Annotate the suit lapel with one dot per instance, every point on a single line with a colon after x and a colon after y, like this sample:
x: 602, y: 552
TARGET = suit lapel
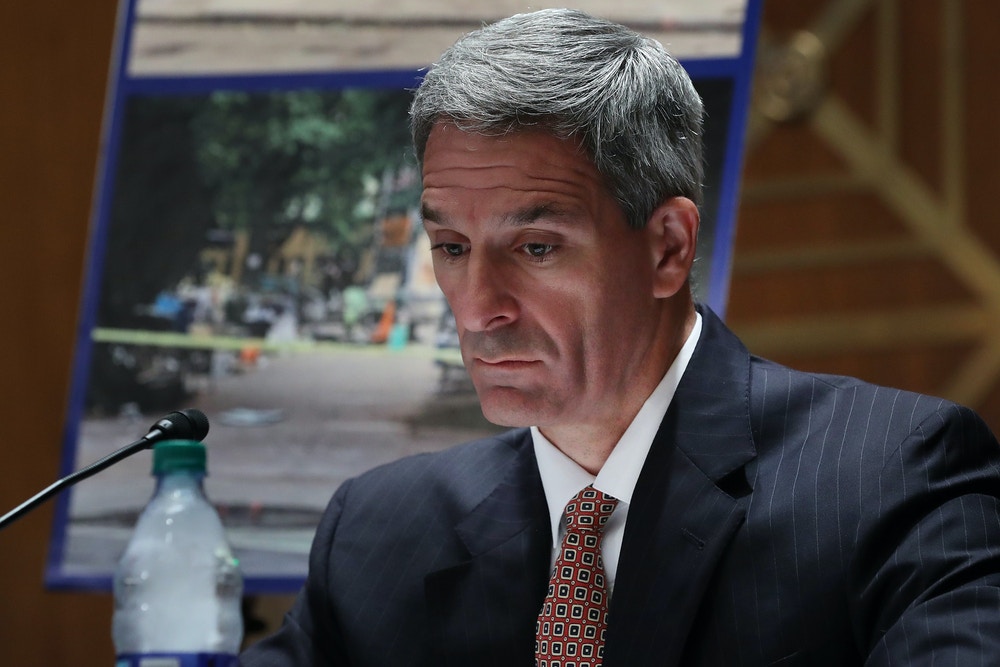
x: 690, y: 498
x: 483, y: 604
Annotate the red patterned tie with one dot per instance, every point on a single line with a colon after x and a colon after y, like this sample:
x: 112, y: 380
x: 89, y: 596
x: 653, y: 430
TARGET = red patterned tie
x: 574, y: 617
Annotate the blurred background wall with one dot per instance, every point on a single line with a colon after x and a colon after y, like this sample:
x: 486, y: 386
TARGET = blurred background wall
x: 867, y: 240
x: 53, y: 65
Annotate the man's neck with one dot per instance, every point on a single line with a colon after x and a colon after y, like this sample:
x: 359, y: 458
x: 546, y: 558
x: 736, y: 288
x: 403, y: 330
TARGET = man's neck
x: 589, y: 449
x: 590, y: 444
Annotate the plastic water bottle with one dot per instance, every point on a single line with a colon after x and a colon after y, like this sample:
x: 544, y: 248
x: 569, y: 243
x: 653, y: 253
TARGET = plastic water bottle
x: 178, y: 587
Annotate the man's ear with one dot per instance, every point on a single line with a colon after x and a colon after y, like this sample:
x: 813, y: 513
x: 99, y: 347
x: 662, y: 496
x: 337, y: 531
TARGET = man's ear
x: 673, y: 230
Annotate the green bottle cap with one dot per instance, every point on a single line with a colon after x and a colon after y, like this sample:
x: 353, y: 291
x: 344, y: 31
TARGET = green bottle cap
x: 178, y: 455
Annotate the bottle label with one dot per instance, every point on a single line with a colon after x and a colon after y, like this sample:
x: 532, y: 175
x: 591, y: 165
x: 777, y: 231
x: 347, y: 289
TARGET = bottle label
x: 176, y: 660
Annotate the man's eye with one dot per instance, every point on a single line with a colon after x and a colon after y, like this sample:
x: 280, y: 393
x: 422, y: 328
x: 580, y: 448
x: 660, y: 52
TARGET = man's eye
x: 538, y: 250
x: 450, y: 249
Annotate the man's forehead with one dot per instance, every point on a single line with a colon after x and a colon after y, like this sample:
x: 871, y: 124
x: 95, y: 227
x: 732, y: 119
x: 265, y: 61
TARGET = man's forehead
x: 552, y: 211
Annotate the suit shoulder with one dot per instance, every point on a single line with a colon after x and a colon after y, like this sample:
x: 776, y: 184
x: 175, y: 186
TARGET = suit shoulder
x: 867, y: 411
x: 769, y: 377
x: 460, y: 471
x: 475, y: 453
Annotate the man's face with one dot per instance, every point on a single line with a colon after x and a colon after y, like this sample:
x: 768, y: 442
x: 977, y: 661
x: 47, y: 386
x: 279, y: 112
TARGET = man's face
x: 550, y: 288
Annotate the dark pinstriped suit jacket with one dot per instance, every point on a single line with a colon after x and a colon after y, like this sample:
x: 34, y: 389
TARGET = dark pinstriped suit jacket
x: 781, y: 518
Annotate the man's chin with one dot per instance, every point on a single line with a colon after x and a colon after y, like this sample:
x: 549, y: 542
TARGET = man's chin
x: 507, y: 406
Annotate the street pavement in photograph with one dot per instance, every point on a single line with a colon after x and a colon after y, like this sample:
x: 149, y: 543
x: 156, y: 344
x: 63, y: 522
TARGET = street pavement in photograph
x: 284, y: 434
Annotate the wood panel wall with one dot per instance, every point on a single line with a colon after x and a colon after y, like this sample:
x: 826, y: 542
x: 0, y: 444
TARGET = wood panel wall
x: 867, y: 240
x: 53, y: 64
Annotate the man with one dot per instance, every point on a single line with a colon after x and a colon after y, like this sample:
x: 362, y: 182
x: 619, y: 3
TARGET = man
x: 756, y: 515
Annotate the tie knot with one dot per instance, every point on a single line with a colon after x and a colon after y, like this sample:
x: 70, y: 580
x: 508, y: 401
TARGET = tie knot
x: 589, y: 510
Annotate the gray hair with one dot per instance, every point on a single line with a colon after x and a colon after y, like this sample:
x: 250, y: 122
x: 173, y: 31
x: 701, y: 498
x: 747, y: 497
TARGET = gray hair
x: 629, y: 103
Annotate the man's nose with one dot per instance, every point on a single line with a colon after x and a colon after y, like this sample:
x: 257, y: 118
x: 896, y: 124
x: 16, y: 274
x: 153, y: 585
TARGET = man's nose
x: 488, y: 300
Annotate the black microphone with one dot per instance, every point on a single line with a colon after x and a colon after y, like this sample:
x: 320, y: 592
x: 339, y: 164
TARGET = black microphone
x: 189, y: 424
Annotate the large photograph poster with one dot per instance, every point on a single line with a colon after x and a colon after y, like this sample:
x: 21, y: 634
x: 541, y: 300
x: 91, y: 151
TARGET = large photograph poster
x: 256, y: 253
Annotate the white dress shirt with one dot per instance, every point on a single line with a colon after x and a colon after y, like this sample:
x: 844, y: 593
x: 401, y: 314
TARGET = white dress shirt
x: 562, y: 478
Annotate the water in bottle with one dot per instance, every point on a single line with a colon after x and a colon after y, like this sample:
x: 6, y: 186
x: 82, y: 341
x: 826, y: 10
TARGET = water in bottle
x: 178, y: 587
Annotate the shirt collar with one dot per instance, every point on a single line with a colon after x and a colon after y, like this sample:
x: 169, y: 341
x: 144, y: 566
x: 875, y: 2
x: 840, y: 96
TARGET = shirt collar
x: 562, y: 478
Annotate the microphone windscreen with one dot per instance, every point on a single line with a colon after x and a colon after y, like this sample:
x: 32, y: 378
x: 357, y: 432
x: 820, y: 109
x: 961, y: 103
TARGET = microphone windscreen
x: 189, y: 424
x: 199, y: 423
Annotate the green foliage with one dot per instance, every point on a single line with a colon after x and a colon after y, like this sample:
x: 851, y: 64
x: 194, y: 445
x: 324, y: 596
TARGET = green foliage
x: 299, y: 157
x: 259, y: 162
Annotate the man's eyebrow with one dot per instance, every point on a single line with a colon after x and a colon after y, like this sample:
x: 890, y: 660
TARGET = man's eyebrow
x: 519, y: 218
x: 427, y: 214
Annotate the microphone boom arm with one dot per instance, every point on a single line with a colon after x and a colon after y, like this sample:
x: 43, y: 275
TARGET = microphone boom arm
x: 186, y: 424
x: 72, y: 479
